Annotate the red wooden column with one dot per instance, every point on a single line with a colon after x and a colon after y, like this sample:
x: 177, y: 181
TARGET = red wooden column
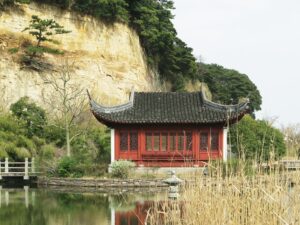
x: 195, y: 139
x: 117, y: 144
x: 221, y: 144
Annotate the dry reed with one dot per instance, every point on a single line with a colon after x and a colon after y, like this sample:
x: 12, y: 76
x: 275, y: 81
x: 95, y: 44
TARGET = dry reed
x: 267, y: 199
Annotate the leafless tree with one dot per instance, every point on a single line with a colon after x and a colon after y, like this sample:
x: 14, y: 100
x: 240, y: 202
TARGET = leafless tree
x: 67, y: 101
x: 292, y: 138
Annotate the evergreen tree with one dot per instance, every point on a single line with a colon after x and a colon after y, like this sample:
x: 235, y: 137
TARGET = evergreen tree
x: 43, y: 30
x: 33, y: 116
x: 256, y: 139
x: 229, y: 86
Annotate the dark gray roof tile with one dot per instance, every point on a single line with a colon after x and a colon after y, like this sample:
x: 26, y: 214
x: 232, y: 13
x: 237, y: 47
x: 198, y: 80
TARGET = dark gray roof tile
x: 167, y: 108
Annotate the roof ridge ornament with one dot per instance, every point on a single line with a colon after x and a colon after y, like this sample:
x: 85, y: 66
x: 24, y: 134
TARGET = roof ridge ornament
x: 131, y: 98
x: 111, y: 109
x: 240, y: 106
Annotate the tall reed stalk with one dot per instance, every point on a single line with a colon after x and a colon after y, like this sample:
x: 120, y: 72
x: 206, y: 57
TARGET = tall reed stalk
x: 270, y: 198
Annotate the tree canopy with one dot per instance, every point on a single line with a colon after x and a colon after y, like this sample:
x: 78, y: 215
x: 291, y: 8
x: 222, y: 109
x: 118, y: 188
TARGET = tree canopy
x: 229, y: 86
x: 256, y: 139
x: 43, y: 30
x: 33, y: 116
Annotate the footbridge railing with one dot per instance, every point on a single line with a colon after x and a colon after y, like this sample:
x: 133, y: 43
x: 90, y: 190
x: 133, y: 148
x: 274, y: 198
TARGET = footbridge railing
x: 25, y: 169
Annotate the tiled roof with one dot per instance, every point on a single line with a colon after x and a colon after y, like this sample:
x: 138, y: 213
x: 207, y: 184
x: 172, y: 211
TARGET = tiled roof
x: 167, y: 108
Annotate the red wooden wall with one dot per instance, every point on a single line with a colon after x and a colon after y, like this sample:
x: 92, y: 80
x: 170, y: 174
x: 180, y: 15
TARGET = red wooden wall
x: 149, y: 152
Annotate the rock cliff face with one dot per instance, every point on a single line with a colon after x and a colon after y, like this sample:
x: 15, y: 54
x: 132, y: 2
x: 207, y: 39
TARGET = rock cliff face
x: 108, y: 59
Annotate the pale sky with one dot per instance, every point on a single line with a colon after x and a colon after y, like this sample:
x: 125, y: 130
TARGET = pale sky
x: 260, y: 38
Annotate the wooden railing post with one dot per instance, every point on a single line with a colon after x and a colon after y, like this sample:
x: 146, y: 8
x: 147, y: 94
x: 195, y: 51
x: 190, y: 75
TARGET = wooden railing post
x: 6, y: 198
x: 26, y: 196
x: 26, y: 177
x: 32, y: 165
x: 6, y: 165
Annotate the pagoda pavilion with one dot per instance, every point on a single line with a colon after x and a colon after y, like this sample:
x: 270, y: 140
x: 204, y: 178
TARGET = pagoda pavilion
x: 168, y: 129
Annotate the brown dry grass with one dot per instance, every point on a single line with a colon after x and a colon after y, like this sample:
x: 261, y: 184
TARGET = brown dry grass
x: 261, y: 199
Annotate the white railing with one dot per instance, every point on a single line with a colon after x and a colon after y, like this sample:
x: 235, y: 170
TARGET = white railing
x: 290, y: 164
x: 5, y: 195
x: 12, y: 169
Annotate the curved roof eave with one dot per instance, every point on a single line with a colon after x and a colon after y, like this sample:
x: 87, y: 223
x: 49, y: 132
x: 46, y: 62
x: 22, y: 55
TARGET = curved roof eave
x: 233, y: 112
x: 96, y: 107
x: 228, y: 108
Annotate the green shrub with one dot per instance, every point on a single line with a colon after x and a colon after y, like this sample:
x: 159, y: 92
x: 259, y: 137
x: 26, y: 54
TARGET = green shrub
x: 55, y: 134
x: 22, y: 141
x: 33, y: 116
x: 3, y: 153
x: 13, y: 50
x: 38, y: 50
x: 64, y: 4
x: 21, y: 154
x: 39, y: 142
x: 122, y: 168
x: 101, y: 140
x: 16, y: 153
x: 11, y: 124
x: 68, y: 167
x: 47, y: 152
x: 108, y: 10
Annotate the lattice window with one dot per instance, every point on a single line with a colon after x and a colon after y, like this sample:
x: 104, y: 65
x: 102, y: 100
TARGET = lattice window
x: 124, y: 141
x: 214, y: 141
x: 164, y: 142
x: 148, y: 141
x: 189, y: 141
x: 172, y: 141
x: 156, y: 141
x: 180, y: 141
x: 204, y: 141
x: 133, y: 141
x: 169, y: 141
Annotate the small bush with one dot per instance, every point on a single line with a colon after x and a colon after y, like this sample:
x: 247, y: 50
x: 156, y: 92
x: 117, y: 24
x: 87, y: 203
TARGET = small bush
x: 39, y: 142
x: 3, y: 154
x: 68, y: 167
x: 22, y: 153
x: 47, y: 152
x: 56, y: 135
x: 121, y: 168
x: 34, y: 50
x: 22, y: 141
x: 13, y: 50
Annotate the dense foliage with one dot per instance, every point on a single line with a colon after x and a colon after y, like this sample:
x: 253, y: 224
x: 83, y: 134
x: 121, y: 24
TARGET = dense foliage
x: 34, y: 117
x: 152, y: 20
x: 27, y: 133
x: 256, y: 139
x: 228, y: 86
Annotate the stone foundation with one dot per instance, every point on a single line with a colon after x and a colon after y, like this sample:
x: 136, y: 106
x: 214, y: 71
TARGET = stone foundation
x: 101, y: 183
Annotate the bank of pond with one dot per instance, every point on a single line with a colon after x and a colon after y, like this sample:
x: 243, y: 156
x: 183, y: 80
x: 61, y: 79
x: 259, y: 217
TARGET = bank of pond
x: 68, y: 206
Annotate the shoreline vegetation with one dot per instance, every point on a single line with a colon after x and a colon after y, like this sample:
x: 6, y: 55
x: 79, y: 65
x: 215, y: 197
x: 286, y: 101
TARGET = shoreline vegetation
x: 269, y: 198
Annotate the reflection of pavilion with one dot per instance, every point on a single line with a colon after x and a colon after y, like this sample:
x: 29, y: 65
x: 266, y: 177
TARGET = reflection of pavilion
x: 134, y: 217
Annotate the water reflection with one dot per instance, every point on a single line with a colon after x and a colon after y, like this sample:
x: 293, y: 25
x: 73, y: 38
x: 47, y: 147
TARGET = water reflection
x: 47, y: 207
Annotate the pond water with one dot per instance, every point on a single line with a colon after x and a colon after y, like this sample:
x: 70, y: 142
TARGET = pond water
x: 30, y: 206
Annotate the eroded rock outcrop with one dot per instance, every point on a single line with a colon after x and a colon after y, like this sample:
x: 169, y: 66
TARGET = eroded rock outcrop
x: 108, y: 59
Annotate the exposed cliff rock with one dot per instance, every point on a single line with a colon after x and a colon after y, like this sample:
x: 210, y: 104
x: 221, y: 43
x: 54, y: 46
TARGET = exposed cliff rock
x: 108, y: 59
